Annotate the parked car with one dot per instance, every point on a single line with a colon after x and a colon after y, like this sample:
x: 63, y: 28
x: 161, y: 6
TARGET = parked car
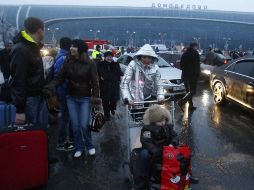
x: 212, y: 61
x: 171, y: 76
x: 234, y: 82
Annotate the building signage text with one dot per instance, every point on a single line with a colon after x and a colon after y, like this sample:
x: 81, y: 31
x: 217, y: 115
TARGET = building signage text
x: 179, y: 6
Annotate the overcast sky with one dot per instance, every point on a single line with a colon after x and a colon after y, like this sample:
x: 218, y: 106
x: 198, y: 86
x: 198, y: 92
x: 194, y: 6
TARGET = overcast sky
x: 229, y: 5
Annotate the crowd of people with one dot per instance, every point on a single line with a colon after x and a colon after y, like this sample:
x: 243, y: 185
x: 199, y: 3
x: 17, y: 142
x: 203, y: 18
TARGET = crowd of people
x: 81, y: 83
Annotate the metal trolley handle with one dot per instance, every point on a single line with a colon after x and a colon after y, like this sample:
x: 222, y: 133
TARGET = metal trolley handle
x: 155, y: 101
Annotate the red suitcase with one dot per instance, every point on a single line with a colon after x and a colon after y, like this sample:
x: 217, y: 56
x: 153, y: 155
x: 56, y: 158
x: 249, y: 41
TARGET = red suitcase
x: 23, y: 158
x: 176, y: 168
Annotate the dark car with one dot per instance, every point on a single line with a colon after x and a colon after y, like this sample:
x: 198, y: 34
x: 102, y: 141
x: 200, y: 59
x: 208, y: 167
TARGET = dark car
x: 234, y: 82
x: 212, y: 61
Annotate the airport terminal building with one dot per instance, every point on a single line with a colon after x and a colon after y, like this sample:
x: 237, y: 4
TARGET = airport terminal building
x: 137, y: 25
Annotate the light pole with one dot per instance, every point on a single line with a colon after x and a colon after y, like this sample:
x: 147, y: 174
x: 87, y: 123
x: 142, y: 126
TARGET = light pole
x: 162, y: 35
x: 226, y: 43
x: 130, y: 37
x: 53, y: 31
x: 95, y: 33
x: 197, y: 39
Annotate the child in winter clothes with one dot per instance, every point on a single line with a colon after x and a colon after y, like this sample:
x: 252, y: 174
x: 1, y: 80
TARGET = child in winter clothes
x: 156, y: 133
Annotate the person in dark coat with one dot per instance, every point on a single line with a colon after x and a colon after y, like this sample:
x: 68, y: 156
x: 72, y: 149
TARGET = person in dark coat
x: 28, y: 74
x: 190, y: 65
x: 109, y: 77
x: 82, y: 86
x: 5, y: 60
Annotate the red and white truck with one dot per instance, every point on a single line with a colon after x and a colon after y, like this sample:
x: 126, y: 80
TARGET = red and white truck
x: 93, y: 43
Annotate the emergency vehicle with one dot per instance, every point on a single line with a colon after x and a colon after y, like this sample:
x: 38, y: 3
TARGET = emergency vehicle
x: 93, y: 43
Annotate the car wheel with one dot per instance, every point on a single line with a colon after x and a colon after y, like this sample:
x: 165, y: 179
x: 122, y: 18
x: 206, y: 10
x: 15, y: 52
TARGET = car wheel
x: 219, y: 93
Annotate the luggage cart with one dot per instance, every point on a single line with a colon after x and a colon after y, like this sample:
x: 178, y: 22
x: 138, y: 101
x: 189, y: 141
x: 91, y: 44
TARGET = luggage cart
x: 133, y: 121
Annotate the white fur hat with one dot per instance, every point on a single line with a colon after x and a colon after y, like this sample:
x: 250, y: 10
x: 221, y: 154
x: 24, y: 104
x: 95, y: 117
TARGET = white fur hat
x: 156, y: 113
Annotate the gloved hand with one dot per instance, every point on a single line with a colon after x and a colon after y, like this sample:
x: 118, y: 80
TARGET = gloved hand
x: 160, y: 99
x: 126, y: 101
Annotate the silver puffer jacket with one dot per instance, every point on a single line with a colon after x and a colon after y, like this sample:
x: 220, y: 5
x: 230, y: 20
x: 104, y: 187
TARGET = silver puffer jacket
x: 139, y: 81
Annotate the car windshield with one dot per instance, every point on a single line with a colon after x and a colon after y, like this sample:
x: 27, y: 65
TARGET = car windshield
x: 163, y: 63
x: 220, y: 56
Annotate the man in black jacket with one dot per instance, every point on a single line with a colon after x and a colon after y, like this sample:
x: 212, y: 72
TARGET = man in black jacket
x: 28, y: 75
x: 190, y: 65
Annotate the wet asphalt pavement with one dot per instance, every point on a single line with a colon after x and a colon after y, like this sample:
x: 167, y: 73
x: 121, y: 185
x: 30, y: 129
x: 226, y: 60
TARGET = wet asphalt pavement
x: 221, y: 138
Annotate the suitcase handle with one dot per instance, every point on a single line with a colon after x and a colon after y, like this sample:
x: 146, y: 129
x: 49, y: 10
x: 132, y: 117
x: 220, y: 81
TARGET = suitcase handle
x: 22, y: 127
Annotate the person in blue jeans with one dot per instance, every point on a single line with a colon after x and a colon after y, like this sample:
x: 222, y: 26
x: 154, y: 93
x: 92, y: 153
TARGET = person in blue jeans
x: 27, y: 74
x: 64, y: 120
x: 82, y: 77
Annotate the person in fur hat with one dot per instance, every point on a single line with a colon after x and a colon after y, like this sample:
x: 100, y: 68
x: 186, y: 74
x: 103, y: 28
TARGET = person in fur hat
x: 156, y: 133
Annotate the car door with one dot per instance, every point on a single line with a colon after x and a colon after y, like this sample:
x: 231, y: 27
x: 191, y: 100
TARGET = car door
x: 229, y: 77
x: 242, y: 87
x: 250, y: 89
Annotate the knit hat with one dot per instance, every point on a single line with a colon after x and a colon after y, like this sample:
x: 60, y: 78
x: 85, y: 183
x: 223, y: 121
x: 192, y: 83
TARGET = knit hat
x: 108, y: 53
x: 81, y: 45
x: 156, y: 113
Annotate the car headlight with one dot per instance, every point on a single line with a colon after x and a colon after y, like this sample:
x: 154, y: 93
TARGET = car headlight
x: 164, y: 81
x: 207, y: 72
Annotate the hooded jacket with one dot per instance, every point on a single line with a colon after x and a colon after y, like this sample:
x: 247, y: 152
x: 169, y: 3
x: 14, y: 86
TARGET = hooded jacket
x: 140, y: 81
x: 26, y: 70
x: 154, y: 137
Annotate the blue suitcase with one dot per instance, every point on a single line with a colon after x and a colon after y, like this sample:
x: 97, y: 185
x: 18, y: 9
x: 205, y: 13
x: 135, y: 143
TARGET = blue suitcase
x: 7, y: 114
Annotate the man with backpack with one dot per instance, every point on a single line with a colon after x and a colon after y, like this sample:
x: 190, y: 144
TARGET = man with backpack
x: 64, y: 119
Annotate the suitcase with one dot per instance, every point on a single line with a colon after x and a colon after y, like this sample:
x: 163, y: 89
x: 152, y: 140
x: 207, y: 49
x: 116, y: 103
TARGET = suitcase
x: 23, y: 157
x: 7, y: 114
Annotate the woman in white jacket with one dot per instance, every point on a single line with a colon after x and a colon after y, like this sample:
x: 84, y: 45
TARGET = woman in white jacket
x: 142, y: 79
